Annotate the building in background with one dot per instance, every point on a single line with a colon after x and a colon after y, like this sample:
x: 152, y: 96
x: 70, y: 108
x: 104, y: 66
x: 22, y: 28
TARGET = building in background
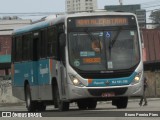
x: 80, y: 5
x: 7, y: 24
x: 141, y: 13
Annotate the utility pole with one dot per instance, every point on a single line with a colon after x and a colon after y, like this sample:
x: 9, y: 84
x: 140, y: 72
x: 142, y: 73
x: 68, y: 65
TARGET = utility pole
x: 121, y: 2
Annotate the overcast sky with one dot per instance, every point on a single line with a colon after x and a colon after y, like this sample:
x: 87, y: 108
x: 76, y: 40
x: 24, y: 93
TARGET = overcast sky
x: 31, y: 6
x: 51, y: 5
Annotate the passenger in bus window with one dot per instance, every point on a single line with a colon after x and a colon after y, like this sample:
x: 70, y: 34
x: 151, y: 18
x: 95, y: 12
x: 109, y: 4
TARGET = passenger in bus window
x: 96, y: 45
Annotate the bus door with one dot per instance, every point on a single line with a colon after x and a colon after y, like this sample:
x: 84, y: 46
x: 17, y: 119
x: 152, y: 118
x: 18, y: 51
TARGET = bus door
x: 36, y: 62
x: 41, y: 65
x: 62, y: 66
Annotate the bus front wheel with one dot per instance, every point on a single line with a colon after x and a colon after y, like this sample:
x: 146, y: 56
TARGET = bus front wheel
x: 92, y: 104
x: 87, y: 103
x: 121, y: 102
x: 62, y: 105
x: 82, y: 105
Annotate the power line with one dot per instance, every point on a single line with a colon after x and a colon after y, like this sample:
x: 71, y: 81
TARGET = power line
x: 31, y: 14
x: 41, y: 13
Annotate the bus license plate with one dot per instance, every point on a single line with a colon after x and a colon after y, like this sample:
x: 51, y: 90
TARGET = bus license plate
x: 108, y: 94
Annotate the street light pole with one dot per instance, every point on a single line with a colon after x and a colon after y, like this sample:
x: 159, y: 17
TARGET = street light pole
x: 121, y: 2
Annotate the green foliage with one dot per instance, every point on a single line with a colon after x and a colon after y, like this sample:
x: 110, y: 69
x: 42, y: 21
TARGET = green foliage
x: 155, y: 16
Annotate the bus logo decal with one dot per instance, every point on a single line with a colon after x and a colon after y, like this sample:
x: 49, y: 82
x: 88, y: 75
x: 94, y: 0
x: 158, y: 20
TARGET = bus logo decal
x: 43, y: 70
x: 77, y: 63
x: 107, y: 82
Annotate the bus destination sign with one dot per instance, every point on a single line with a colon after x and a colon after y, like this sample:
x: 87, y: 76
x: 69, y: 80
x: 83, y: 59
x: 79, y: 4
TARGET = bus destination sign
x: 96, y: 22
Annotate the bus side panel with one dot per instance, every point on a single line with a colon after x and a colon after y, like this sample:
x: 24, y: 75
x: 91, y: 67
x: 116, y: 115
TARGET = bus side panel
x: 44, y: 80
x: 25, y: 71
x: 38, y: 74
x: 20, y: 91
x: 58, y: 72
x: 49, y: 69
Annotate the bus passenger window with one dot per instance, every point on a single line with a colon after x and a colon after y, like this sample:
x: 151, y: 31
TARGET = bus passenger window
x: 62, y: 47
x: 18, y: 49
x: 52, y: 42
x: 35, y: 49
x: 26, y: 55
x: 43, y: 44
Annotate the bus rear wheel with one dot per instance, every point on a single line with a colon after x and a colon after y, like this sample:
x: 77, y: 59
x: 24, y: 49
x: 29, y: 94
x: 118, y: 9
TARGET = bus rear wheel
x: 29, y: 103
x: 41, y: 106
x: 61, y: 105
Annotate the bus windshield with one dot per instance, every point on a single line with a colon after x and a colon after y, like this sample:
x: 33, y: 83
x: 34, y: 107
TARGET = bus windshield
x: 104, y: 50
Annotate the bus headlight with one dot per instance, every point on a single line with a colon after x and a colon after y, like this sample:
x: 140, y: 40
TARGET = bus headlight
x: 76, y: 81
x: 137, y: 78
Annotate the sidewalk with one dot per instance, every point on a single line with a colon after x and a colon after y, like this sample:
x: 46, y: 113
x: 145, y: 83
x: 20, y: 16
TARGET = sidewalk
x: 12, y: 104
x: 148, y: 99
x: 131, y: 100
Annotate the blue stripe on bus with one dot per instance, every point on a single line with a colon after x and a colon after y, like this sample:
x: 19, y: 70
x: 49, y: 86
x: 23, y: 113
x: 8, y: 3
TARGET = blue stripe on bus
x: 112, y: 81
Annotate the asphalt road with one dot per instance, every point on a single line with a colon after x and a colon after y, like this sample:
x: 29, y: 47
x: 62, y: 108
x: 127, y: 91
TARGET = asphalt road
x: 103, y: 110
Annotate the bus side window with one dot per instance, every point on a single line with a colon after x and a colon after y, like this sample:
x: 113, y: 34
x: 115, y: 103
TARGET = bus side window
x: 26, y: 49
x: 62, y: 39
x: 43, y: 44
x: 35, y: 46
x: 52, y: 43
x: 18, y: 48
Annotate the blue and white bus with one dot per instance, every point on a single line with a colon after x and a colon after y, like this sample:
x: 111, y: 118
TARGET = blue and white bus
x: 82, y: 58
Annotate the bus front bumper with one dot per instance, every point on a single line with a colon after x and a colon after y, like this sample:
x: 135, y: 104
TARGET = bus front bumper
x: 104, y: 92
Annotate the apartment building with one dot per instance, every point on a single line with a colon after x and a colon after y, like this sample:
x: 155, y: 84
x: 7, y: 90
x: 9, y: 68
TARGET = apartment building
x: 80, y: 5
x: 141, y: 13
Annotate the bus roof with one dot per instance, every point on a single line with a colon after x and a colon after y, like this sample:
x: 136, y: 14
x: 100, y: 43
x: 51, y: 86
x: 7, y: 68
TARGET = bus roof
x: 61, y: 19
x: 39, y: 25
x: 98, y: 14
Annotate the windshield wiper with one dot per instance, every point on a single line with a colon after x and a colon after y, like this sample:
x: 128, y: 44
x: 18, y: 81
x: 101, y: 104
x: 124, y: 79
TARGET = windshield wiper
x: 93, y: 38
x: 112, y: 42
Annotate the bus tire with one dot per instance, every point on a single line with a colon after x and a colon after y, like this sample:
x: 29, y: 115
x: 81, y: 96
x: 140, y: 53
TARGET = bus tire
x: 87, y: 103
x: 30, y: 105
x: 82, y: 105
x: 61, y: 105
x: 122, y: 103
x: 41, y: 106
x: 92, y: 104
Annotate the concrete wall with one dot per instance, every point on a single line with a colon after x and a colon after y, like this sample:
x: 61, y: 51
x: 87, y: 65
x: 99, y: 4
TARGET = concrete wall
x: 6, y: 92
x: 153, y: 78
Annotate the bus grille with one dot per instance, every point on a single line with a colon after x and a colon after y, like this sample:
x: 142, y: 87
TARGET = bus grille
x: 99, y: 92
x: 106, y: 75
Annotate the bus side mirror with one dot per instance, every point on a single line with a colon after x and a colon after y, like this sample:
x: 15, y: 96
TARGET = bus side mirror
x: 62, y: 39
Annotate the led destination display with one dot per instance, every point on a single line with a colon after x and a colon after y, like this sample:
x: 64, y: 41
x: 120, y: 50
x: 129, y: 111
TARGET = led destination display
x: 101, y: 22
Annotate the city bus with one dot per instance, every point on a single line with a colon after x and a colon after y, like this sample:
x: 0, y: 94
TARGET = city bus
x: 81, y: 57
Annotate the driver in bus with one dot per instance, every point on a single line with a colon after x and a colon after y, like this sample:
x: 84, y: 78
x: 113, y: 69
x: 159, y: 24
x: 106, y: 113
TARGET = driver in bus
x: 96, y: 45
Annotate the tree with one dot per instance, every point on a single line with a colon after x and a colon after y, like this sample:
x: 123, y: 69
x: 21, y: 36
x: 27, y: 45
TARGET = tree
x: 155, y: 16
